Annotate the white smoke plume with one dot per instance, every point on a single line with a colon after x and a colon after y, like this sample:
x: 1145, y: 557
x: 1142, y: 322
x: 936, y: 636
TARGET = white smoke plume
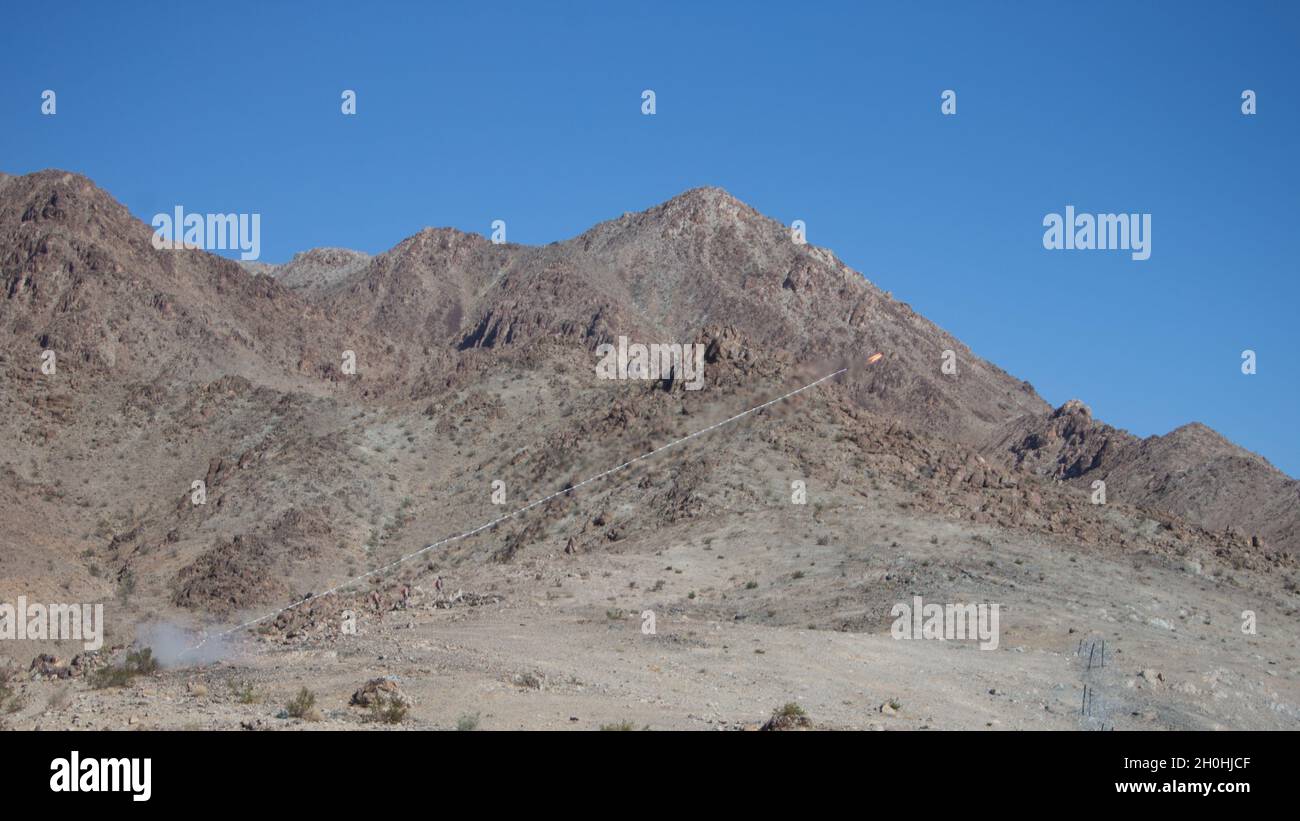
x: 177, y: 646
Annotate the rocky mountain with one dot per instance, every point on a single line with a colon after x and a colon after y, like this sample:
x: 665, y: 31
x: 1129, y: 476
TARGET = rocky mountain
x: 83, y: 279
x: 475, y: 362
x: 1192, y: 472
x: 701, y: 259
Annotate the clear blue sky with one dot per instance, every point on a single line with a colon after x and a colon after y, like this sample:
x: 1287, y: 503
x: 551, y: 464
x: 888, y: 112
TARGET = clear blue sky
x: 826, y: 113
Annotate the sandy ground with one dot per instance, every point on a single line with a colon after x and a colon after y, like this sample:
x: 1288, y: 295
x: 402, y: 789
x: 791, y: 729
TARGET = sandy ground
x: 564, y: 647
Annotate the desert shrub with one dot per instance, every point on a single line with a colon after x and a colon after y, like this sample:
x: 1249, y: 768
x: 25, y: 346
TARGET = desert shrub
x: 467, y: 722
x: 137, y: 663
x: 619, y: 727
x: 300, y: 706
x: 788, y: 716
x: 388, y: 710
x: 244, y: 693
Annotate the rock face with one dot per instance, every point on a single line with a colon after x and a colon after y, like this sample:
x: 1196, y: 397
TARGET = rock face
x: 1192, y: 472
x: 1064, y: 444
x: 80, y: 277
x: 381, y: 692
x: 226, y: 440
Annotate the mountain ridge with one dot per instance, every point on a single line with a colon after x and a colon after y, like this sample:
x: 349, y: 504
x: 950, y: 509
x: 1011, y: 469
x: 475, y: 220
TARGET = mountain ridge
x: 186, y: 365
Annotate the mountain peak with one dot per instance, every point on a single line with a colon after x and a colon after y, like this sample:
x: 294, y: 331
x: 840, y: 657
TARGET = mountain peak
x: 707, y: 198
x: 329, y: 254
x: 1199, y: 435
x: 706, y: 193
x: 439, y: 236
x: 59, y: 196
x: 1073, y: 407
x: 318, y: 268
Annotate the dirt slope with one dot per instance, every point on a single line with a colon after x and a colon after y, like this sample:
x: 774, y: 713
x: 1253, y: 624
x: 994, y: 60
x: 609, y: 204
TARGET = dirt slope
x: 475, y: 364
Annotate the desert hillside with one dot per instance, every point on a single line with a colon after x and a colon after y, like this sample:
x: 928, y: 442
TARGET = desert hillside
x: 475, y: 365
